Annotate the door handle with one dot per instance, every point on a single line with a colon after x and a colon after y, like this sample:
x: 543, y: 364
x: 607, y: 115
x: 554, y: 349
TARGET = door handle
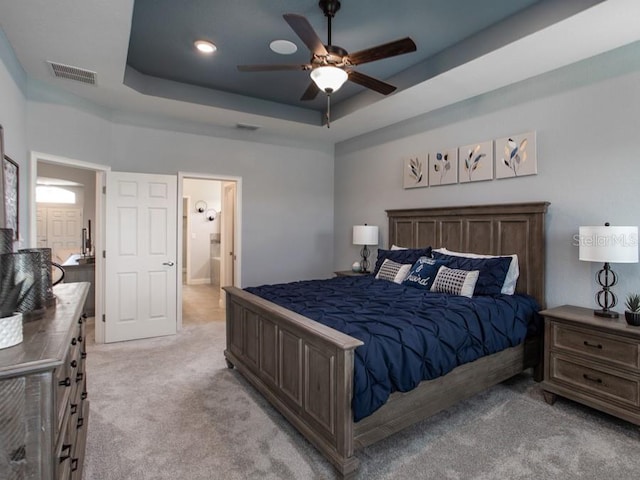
x: 168, y: 264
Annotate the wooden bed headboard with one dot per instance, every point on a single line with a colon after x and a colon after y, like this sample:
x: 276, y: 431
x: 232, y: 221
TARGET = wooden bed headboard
x: 487, y: 229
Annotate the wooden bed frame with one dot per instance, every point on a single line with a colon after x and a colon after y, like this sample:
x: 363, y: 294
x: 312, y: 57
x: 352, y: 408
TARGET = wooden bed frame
x: 305, y: 369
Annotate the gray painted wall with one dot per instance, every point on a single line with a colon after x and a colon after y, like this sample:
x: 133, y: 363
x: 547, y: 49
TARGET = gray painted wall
x: 287, y: 192
x: 586, y: 118
x: 13, y: 117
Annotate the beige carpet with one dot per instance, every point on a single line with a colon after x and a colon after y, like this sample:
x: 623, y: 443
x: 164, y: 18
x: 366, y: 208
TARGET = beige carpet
x: 168, y: 408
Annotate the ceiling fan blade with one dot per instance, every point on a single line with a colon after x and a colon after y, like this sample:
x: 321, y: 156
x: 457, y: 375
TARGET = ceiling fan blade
x: 391, y: 49
x: 307, y: 34
x: 311, y: 92
x: 370, y: 82
x: 272, y: 68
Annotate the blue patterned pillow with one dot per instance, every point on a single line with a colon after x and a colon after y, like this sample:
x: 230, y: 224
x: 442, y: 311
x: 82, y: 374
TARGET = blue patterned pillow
x: 423, y: 272
x: 409, y: 255
x: 492, y: 271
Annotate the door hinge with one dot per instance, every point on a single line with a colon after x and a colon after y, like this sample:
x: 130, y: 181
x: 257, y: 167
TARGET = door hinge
x: 104, y: 254
x: 104, y: 190
x: 104, y: 318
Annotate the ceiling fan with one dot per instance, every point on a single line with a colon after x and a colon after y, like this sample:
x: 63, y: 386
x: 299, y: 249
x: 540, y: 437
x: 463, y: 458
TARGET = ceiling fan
x: 331, y: 65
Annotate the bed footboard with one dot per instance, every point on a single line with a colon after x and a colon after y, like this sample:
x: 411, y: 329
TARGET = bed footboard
x: 303, y: 368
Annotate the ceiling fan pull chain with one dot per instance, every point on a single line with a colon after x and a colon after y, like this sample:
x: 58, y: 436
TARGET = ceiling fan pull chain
x: 328, y: 111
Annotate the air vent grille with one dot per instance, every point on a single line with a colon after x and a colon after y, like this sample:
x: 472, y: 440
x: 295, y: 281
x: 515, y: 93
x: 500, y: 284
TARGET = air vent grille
x: 247, y: 126
x: 73, y: 73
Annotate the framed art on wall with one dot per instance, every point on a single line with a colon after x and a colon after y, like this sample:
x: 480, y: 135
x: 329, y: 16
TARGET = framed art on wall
x: 1, y: 179
x: 10, y: 186
x: 415, y: 171
x: 443, y: 167
x: 476, y: 162
x: 516, y: 156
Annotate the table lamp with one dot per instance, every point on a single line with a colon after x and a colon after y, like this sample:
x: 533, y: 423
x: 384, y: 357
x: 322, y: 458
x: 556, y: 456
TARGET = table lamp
x: 608, y: 244
x: 365, y: 235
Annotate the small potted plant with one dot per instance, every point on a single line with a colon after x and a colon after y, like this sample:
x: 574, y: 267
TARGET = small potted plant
x: 632, y: 313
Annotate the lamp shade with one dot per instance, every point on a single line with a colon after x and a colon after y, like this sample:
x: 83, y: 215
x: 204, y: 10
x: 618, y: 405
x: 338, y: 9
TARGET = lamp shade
x: 608, y: 244
x: 365, y: 235
x: 329, y: 79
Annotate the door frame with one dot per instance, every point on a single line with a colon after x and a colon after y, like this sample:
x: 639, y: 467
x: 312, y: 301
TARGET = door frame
x: 237, y: 234
x: 99, y: 240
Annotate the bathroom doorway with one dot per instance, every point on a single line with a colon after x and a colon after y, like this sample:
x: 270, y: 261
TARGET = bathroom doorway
x: 208, y: 221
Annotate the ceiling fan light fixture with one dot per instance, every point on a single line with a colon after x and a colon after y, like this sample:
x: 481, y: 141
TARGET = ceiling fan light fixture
x: 329, y: 79
x: 204, y: 46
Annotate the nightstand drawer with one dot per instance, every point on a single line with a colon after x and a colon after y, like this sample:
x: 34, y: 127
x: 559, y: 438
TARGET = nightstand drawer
x: 610, y: 349
x: 591, y: 379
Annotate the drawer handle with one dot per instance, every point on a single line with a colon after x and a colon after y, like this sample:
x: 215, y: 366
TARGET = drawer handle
x: 74, y: 408
x: 80, y: 338
x: 79, y: 377
x: 65, y: 383
x: 83, y: 355
x: 74, y: 363
x: 74, y: 341
x: 593, y: 345
x: 67, y: 447
x: 80, y: 423
x: 84, y: 395
x: 592, y: 379
x: 74, y: 464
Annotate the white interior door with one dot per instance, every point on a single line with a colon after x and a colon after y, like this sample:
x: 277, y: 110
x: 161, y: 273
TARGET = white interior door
x: 227, y: 241
x: 64, y: 228
x: 141, y: 244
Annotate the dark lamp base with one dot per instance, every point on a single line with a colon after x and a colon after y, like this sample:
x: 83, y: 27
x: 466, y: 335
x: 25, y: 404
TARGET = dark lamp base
x: 606, y: 313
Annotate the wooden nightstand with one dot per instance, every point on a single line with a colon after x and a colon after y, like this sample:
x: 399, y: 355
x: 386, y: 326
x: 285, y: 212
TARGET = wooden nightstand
x: 350, y: 273
x: 592, y: 360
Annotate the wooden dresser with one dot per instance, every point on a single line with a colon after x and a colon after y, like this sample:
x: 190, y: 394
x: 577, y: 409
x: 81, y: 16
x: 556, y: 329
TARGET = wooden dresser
x: 592, y: 360
x: 43, y: 394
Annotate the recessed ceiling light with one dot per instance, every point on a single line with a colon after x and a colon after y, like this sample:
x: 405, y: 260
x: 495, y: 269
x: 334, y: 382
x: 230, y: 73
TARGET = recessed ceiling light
x: 283, y: 47
x: 204, y: 46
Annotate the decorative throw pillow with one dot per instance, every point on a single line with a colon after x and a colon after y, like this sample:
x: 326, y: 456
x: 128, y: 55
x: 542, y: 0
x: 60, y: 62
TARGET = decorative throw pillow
x: 493, y: 271
x: 392, y: 271
x: 409, y: 255
x: 511, y: 279
x: 455, y: 282
x: 423, y: 273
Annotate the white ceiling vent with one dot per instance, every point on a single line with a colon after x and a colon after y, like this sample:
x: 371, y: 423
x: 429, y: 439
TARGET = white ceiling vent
x: 73, y: 73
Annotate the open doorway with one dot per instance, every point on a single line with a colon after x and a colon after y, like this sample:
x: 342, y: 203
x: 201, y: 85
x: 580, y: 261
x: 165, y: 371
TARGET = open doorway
x: 65, y: 227
x: 209, y: 244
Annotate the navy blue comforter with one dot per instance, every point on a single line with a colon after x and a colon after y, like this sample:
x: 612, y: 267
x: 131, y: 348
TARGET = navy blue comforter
x: 409, y: 334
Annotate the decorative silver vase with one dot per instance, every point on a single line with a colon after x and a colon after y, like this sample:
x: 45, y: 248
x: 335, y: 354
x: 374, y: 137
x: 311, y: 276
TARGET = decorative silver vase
x: 6, y: 240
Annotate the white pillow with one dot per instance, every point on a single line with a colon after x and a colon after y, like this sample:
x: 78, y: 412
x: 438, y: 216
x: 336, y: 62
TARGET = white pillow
x: 455, y: 282
x: 396, y: 247
x: 393, y: 271
x: 510, y: 280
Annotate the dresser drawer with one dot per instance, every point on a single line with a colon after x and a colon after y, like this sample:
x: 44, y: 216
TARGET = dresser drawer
x: 608, y: 348
x: 590, y: 379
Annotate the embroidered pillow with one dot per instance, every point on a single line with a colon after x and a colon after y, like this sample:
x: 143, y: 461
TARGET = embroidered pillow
x: 392, y: 271
x: 409, y: 255
x: 423, y: 273
x: 493, y: 271
x: 455, y: 282
x: 511, y: 279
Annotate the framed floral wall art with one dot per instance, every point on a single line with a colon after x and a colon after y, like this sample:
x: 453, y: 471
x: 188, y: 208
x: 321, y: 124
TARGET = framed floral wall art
x: 476, y: 162
x: 415, y: 171
x: 516, y: 156
x: 11, y: 193
x: 443, y: 167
